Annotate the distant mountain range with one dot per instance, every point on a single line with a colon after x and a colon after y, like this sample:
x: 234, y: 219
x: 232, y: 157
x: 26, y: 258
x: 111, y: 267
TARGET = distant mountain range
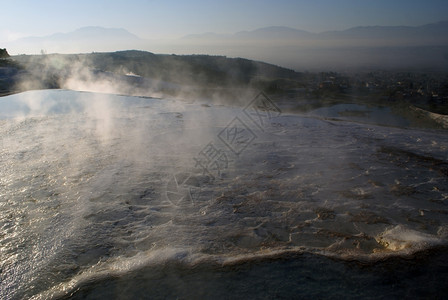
x: 86, y: 39
x: 261, y: 33
x: 437, y: 32
x: 368, y: 46
x: 92, y: 33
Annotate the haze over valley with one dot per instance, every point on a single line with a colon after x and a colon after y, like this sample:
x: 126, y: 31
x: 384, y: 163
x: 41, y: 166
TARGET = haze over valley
x: 375, y: 47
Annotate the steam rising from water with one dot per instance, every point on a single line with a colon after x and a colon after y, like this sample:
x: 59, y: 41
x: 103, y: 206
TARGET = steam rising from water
x: 119, y: 73
x: 86, y: 180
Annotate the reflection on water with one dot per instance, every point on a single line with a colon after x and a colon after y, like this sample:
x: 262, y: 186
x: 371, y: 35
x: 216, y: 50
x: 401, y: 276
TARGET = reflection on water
x: 361, y: 113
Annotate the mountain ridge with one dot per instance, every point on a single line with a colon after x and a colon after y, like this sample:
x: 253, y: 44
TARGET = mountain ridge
x: 87, y: 31
x: 393, y: 47
x: 438, y: 29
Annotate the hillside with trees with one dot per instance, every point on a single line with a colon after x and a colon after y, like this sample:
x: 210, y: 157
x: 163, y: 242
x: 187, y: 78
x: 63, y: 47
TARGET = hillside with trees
x: 204, y: 75
x: 3, y: 53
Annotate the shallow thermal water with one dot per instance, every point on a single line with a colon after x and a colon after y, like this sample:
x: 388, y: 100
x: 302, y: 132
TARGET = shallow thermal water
x: 361, y: 113
x: 109, y: 196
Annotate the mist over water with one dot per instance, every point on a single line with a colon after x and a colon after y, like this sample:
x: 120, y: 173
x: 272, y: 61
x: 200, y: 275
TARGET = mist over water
x: 268, y: 163
x: 101, y: 191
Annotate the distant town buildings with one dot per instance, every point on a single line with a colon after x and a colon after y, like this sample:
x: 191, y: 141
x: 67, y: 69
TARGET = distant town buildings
x: 412, y: 86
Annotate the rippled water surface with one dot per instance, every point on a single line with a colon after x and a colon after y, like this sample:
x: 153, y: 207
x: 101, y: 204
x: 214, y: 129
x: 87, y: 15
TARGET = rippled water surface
x: 105, y: 195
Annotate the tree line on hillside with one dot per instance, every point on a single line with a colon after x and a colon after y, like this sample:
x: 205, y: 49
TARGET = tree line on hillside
x: 204, y: 71
x: 4, y: 53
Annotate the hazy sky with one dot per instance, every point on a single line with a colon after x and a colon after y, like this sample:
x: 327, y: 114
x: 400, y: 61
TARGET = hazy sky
x: 171, y: 19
